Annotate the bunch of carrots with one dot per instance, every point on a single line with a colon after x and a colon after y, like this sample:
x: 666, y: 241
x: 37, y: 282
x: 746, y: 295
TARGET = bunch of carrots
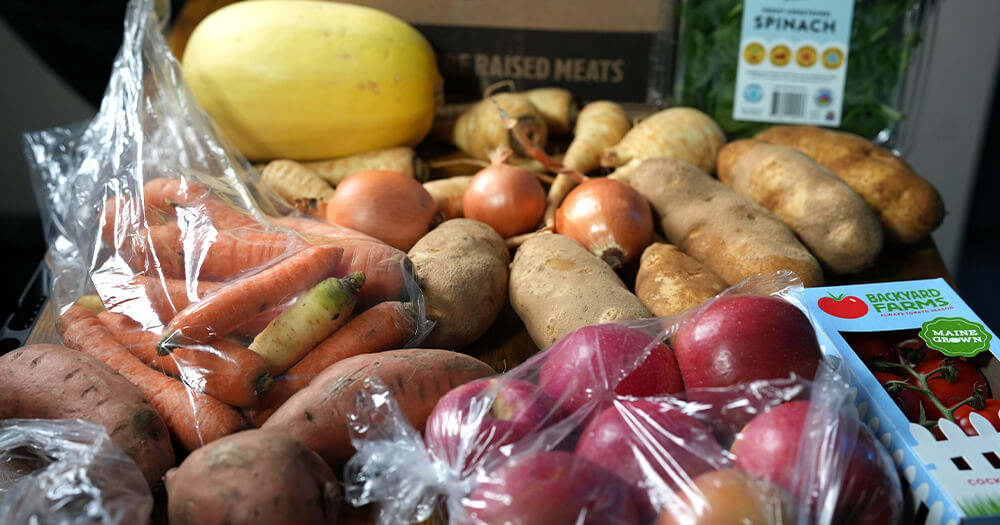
x: 204, y: 278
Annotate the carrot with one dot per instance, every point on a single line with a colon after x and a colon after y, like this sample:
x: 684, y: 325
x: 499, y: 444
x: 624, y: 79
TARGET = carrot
x: 222, y: 369
x: 165, y: 194
x: 163, y: 296
x: 233, y: 304
x: 387, y: 270
x: 90, y: 302
x: 193, y: 418
x: 399, y: 159
x: 161, y: 249
x: 120, y: 214
x: 254, y: 326
x: 385, y: 326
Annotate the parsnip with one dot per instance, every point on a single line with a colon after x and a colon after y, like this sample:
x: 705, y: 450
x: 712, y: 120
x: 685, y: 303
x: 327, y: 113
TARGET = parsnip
x: 481, y: 129
x: 312, y: 318
x: 402, y: 159
x: 676, y: 133
x: 556, y: 106
x: 448, y: 194
x: 295, y: 182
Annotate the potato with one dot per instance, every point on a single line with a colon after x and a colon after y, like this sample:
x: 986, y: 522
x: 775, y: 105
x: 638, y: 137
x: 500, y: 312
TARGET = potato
x: 53, y: 382
x: 557, y: 286
x: 732, y: 235
x: 417, y: 378
x: 669, y: 281
x: 908, y: 206
x: 256, y: 476
x: 461, y: 267
x: 828, y: 217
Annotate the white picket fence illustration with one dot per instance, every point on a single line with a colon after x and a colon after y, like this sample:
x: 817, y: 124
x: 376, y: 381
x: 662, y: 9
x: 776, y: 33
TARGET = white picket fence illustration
x: 942, y: 457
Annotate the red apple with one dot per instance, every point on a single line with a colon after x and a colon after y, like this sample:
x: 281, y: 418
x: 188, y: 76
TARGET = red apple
x: 549, y: 488
x: 477, y: 418
x: 729, y: 496
x: 592, y: 363
x: 653, y: 446
x: 741, y: 338
x: 844, y: 473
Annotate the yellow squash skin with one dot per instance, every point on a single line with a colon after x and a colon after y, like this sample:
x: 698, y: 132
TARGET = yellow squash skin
x: 311, y: 80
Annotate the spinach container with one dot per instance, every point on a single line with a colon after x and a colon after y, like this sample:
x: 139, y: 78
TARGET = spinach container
x: 888, y: 43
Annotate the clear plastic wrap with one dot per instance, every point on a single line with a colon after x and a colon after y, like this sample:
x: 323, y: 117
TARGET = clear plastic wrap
x: 599, y: 428
x: 68, y: 472
x: 148, y: 208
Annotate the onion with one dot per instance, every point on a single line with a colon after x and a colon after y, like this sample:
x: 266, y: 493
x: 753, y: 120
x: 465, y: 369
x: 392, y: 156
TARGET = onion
x: 507, y: 198
x: 387, y: 205
x: 609, y: 218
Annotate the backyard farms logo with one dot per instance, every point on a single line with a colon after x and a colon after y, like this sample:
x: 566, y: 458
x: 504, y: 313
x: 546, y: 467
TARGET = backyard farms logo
x: 851, y: 307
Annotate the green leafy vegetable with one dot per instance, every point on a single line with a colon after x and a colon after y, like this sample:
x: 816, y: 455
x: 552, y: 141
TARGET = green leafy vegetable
x: 882, y: 39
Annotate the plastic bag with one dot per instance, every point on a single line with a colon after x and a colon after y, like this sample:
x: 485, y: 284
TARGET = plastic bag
x: 67, y: 471
x: 599, y: 428
x: 149, y: 208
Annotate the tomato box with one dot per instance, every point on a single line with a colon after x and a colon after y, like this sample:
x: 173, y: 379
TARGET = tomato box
x: 926, y: 370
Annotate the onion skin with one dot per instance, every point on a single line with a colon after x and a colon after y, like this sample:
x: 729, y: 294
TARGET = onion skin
x: 507, y: 198
x: 609, y: 218
x: 387, y: 205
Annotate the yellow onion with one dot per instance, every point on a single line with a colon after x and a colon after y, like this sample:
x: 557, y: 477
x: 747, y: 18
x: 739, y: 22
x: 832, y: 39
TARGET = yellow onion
x: 507, y: 198
x: 387, y: 205
x: 609, y: 218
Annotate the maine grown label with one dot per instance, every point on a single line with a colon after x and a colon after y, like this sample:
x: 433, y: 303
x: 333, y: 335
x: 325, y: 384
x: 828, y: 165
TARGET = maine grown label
x: 955, y: 336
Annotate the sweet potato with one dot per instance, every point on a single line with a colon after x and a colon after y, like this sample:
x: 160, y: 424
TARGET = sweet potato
x: 54, y: 382
x: 732, y: 235
x: 669, y: 281
x: 461, y: 267
x: 824, y: 212
x: 908, y: 206
x: 417, y: 378
x: 257, y: 476
x: 557, y: 286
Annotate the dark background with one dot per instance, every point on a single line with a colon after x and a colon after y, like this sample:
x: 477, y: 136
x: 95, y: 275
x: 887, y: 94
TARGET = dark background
x: 79, y: 43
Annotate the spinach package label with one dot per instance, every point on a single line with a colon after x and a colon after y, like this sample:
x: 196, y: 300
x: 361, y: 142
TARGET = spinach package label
x: 853, y: 65
x: 793, y: 61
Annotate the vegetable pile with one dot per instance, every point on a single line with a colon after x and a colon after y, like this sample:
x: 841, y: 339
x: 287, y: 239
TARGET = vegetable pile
x: 236, y: 322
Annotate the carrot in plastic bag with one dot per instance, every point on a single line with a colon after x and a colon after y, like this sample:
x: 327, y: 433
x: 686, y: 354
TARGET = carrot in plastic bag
x: 222, y: 369
x: 385, y: 326
x: 193, y: 418
x: 233, y: 304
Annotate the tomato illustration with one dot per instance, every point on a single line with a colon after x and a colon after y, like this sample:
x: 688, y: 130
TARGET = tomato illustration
x: 848, y: 307
x: 968, y: 381
x: 990, y: 412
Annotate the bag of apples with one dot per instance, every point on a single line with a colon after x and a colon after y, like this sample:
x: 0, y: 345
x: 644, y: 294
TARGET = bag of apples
x: 727, y: 413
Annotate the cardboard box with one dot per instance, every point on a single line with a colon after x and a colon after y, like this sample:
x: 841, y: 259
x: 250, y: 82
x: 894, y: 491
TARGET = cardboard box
x: 621, y: 51
x: 954, y: 477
